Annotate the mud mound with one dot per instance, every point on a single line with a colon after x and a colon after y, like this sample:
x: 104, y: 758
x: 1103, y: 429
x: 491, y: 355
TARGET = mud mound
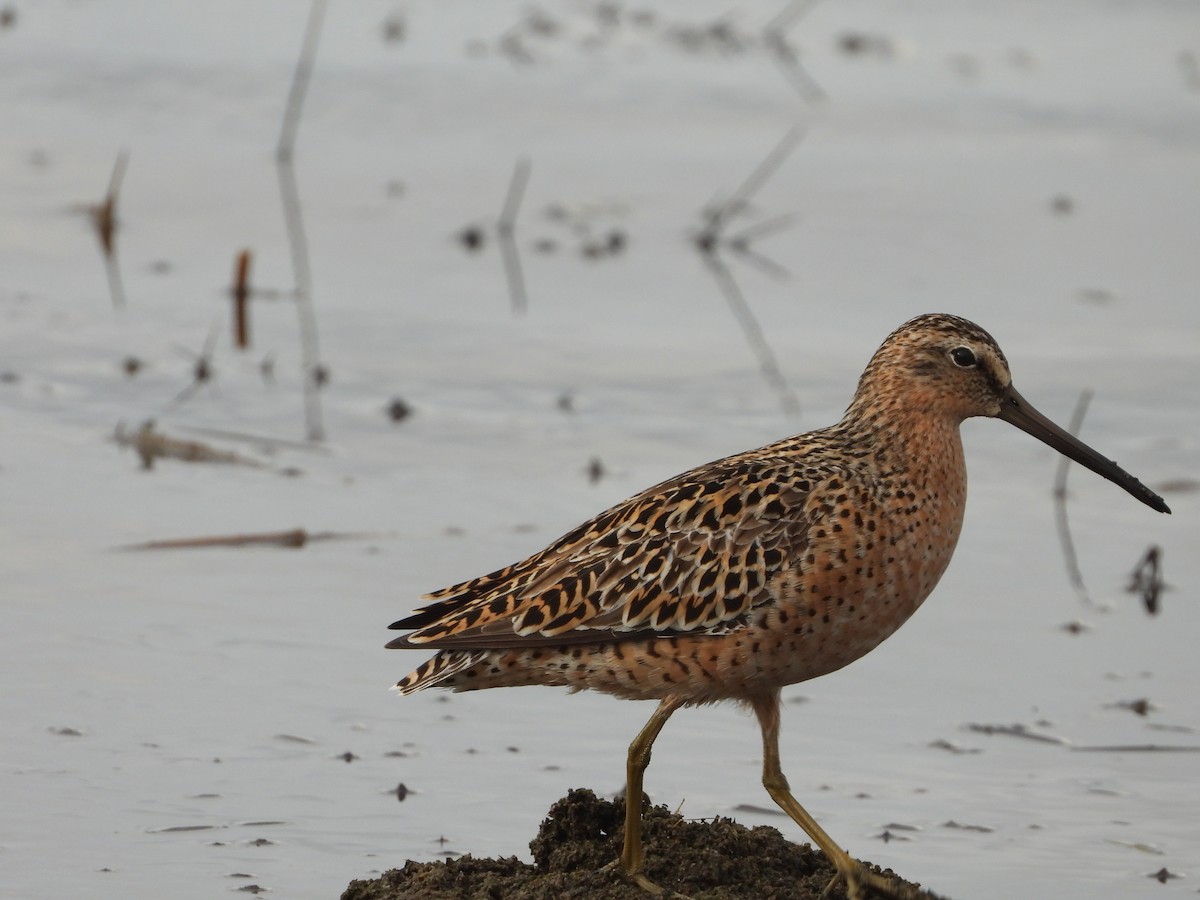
x: 706, y: 860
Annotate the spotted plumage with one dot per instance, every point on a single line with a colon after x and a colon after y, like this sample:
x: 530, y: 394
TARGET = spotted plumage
x: 756, y: 571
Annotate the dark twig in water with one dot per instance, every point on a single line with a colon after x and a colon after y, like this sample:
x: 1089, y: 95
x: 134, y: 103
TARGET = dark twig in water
x: 1147, y: 579
x: 240, y: 292
x: 711, y: 239
x: 297, y: 239
x: 506, y: 236
x: 295, y: 538
x: 105, y: 221
x: 1060, y: 506
x: 1018, y: 730
x: 776, y: 40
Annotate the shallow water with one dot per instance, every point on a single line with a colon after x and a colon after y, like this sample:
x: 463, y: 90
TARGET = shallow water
x: 176, y: 722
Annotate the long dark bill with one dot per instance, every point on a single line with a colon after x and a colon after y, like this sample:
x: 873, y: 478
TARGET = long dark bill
x: 1016, y: 410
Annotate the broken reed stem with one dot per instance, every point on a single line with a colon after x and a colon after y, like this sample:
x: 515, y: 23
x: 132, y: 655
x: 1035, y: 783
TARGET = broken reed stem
x: 106, y: 213
x: 1060, y: 505
x: 506, y: 237
x: 297, y: 537
x: 297, y: 239
x: 241, y: 299
x: 294, y: 538
x: 104, y: 220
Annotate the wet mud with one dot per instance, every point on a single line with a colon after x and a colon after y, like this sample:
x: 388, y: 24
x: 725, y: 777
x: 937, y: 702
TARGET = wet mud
x: 714, y: 859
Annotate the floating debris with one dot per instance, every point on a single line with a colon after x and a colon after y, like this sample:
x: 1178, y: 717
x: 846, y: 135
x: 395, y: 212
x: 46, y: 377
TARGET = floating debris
x: 471, y: 238
x: 1096, y: 296
x: 1141, y: 706
x: 1062, y: 205
x: 1179, y: 486
x: 595, y: 470
x: 295, y: 538
x: 942, y: 744
x: 294, y: 739
x: 394, y: 28
x: 861, y: 43
x: 398, y: 410
x: 982, y: 829
x: 1018, y: 730
x: 152, y: 445
x: 1138, y: 846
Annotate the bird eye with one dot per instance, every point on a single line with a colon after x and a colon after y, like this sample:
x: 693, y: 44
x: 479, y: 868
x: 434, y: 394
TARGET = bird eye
x: 963, y: 357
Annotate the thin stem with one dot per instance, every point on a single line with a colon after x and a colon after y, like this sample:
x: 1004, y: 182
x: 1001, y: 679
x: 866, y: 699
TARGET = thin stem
x: 1060, y: 506
x: 292, y: 214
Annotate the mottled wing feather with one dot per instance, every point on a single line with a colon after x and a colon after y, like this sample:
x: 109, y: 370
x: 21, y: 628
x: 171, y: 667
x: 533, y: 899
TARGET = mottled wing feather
x: 692, y: 555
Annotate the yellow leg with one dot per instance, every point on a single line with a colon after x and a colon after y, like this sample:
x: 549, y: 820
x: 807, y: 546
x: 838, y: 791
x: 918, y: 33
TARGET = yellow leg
x: 635, y: 768
x: 860, y: 882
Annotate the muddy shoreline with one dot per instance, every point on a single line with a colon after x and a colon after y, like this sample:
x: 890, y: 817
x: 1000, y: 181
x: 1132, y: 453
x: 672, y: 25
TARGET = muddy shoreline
x: 715, y: 859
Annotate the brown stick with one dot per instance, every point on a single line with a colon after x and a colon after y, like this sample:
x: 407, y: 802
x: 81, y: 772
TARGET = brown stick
x: 106, y: 223
x: 297, y: 537
x: 241, y: 297
x: 294, y: 538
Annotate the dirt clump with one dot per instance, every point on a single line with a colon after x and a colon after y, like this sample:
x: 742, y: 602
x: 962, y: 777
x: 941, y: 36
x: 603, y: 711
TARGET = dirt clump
x: 714, y: 859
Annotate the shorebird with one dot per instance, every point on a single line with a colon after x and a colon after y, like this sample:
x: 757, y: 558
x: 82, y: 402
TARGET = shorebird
x: 759, y: 570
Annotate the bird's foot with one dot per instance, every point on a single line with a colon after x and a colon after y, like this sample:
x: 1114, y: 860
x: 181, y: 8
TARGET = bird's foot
x: 638, y: 878
x: 863, y: 884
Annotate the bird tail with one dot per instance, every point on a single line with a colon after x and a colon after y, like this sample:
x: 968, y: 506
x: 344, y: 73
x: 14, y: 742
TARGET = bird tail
x: 437, y: 669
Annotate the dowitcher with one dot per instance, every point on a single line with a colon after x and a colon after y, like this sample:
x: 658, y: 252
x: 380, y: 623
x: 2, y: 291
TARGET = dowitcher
x: 760, y: 570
